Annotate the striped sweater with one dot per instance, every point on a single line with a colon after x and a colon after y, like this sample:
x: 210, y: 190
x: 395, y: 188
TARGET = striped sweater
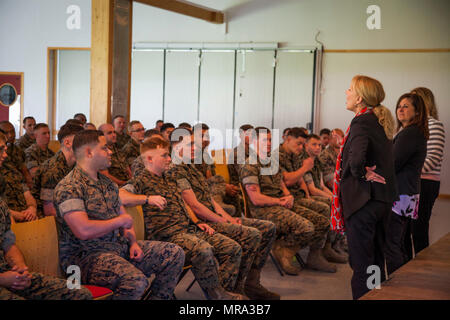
x: 435, y: 150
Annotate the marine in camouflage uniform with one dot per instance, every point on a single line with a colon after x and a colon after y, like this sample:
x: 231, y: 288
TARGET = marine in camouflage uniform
x: 255, y: 236
x: 215, y: 258
x: 16, y: 156
x: 105, y: 261
x: 234, y: 166
x: 35, y: 156
x: 25, y: 141
x: 319, y: 204
x: 137, y: 166
x: 48, y: 175
x: 296, y: 227
x: 42, y: 287
x: 122, y: 139
x: 290, y: 162
x: 328, y: 158
x: 131, y: 151
x: 15, y: 187
x: 119, y: 166
x: 217, y: 186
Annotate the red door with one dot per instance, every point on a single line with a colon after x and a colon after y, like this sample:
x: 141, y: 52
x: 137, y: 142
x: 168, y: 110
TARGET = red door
x: 10, y: 91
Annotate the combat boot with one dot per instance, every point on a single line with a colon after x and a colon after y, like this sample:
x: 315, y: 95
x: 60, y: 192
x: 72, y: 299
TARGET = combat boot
x: 254, y: 290
x: 220, y: 293
x: 284, y: 257
x: 338, y: 246
x: 316, y: 261
x: 331, y: 255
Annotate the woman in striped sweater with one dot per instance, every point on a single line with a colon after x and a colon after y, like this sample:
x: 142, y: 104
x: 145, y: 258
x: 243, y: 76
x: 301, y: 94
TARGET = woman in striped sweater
x: 431, y: 172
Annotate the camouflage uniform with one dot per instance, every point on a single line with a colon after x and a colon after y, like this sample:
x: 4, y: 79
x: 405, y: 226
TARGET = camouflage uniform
x: 233, y: 166
x: 48, y: 175
x: 15, y: 187
x: 105, y: 261
x: 131, y: 150
x: 137, y: 166
x: 35, y: 156
x: 122, y: 139
x: 173, y: 224
x: 255, y: 236
x: 290, y: 162
x: 321, y: 205
x: 16, y: 156
x: 25, y: 141
x: 296, y: 227
x: 315, y: 174
x: 119, y: 165
x: 42, y: 287
x: 217, y: 186
x: 328, y: 158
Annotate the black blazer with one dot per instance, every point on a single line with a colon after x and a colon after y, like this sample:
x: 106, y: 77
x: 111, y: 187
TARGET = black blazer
x: 410, y: 150
x: 366, y: 146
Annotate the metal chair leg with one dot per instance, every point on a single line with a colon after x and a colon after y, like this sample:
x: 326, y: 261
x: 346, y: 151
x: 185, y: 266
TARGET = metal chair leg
x: 275, y: 262
x: 190, y: 286
x: 300, y: 260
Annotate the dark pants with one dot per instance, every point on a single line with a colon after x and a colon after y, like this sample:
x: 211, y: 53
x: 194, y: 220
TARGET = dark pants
x: 429, y: 190
x: 366, y: 239
x: 398, y: 249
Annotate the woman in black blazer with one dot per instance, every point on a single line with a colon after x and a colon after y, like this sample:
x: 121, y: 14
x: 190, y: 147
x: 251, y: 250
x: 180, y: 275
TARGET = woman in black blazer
x: 365, y: 185
x: 410, y: 149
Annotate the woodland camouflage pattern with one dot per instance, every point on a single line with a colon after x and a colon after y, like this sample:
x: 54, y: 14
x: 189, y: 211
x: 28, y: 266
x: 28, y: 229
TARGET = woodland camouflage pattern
x: 105, y: 260
x: 131, y: 151
x: 35, y: 156
x: 119, y: 165
x: 42, y: 287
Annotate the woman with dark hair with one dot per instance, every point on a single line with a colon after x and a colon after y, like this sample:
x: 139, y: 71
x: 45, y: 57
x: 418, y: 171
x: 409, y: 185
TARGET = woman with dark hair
x: 410, y: 149
x: 431, y: 172
x: 364, y: 180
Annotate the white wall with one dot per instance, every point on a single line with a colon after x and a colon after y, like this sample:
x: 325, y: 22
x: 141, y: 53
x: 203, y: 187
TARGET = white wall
x: 73, y: 88
x: 32, y: 26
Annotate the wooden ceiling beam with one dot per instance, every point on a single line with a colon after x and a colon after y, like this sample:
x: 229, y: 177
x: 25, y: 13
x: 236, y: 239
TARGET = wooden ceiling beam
x: 188, y: 9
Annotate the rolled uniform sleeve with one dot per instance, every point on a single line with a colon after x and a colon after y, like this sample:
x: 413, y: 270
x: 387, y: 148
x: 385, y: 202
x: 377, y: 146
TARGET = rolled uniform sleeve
x: 183, y: 184
x: 178, y: 174
x: 9, y: 239
x: 308, y: 177
x: 25, y: 187
x: 68, y: 198
x: 31, y: 160
x: 46, y: 194
x: 129, y: 187
x: 249, y: 174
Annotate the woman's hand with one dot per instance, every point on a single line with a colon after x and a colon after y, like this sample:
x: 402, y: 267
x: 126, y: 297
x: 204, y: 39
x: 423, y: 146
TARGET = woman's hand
x: 371, y: 176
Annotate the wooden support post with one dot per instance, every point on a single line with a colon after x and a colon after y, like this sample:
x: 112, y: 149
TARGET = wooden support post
x: 110, y: 60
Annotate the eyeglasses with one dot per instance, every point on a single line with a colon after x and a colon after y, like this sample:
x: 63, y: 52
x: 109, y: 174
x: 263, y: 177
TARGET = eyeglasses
x: 138, y: 130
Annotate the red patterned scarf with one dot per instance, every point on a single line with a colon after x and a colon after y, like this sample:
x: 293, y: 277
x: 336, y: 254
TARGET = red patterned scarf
x: 337, y: 219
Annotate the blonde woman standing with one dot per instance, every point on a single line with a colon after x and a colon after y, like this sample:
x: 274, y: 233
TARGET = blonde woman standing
x: 364, y: 187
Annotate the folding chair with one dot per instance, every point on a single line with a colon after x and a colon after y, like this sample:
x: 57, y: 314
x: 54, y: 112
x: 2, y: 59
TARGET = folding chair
x: 248, y: 215
x: 219, y: 157
x: 38, y: 242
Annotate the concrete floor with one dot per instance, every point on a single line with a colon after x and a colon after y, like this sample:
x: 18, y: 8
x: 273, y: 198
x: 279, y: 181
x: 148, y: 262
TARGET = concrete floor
x: 312, y: 285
